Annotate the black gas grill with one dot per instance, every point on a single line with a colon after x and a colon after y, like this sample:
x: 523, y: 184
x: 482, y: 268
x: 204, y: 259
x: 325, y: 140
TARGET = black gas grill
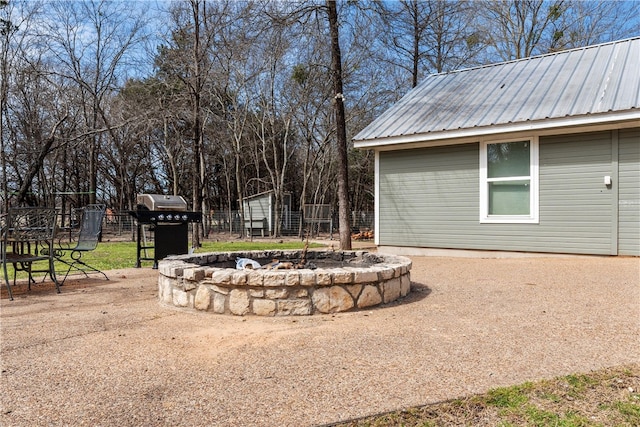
x: 168, y: 218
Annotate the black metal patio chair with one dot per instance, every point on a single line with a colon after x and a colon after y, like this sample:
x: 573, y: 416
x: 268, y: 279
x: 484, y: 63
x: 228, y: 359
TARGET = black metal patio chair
x: 88, y: 238
x: 27, y: 239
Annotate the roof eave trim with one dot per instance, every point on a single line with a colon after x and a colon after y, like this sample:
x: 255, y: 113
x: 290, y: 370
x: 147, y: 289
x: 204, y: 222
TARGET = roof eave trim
x: 446, y: 136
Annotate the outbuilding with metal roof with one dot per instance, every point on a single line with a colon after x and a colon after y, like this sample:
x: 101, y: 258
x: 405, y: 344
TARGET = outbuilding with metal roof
x: 536, y: 155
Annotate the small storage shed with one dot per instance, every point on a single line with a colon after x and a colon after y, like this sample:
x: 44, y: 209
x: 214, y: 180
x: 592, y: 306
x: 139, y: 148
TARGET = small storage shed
x: 535, y: 155
x: 259, y: 213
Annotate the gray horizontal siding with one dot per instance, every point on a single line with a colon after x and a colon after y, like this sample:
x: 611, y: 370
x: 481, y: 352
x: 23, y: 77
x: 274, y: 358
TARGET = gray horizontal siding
x: 629, y: 192
x: 258, y: 208
x: 430, y: 198
x: 573, y: 198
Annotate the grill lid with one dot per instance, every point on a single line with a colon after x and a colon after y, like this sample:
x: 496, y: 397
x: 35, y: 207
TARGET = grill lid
x: 162, y: 202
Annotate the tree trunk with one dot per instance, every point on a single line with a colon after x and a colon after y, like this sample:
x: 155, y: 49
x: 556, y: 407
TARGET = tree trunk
x: 239, y: 187
x: 196, y: 88
x: 36, y: 166
x: 341, y: 132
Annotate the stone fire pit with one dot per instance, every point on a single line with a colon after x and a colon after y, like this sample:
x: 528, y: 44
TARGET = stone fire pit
x: 331, y: 282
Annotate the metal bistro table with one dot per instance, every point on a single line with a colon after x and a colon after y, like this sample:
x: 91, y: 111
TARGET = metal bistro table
x: 27, y: 239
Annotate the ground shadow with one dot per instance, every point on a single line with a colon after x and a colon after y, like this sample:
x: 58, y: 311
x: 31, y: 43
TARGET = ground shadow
x: 46, y: 287
x: 418, y: 292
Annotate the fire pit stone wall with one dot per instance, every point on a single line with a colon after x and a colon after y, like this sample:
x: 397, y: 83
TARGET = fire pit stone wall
x: 341, y: 281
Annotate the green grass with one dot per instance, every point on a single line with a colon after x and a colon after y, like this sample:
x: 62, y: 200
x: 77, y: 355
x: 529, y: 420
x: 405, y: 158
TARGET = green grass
x: 609, y: 397
x: 630, y: 410
x: 509, y: 397
x: 117, y: 255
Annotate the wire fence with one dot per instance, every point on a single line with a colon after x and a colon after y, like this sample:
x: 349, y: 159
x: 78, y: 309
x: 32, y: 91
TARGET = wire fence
x: 123, y: 226
x: 291, y: 224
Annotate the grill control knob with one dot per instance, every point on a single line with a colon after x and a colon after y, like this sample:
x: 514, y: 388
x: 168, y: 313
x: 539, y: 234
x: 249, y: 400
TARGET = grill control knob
x: 169, y: 217
x: 184, y: 217
x: 161, y: 217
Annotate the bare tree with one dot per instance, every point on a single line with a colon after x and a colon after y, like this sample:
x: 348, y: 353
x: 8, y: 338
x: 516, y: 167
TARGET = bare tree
x: 341, y: 129
x: 452, y: 40
x: 236, y: 66
x: 273, y: 124
x: 134, y: 159
x: 308, y: 95
x: 90, y: 41
x: 187, y: 59
x: 29, y: 107
x: 516, y: 29
x: 7, y: 30
x: 427, y: 36
x: 589, y: 22
x: 406, y: 23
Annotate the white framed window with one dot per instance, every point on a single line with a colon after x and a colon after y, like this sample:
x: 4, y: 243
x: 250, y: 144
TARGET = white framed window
x: 509, y: 181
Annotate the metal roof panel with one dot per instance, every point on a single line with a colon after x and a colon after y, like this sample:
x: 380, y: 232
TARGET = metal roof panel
x: 579, y: 82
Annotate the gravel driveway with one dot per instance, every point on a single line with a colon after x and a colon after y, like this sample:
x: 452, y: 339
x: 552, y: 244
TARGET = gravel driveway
x: 108, y: 354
